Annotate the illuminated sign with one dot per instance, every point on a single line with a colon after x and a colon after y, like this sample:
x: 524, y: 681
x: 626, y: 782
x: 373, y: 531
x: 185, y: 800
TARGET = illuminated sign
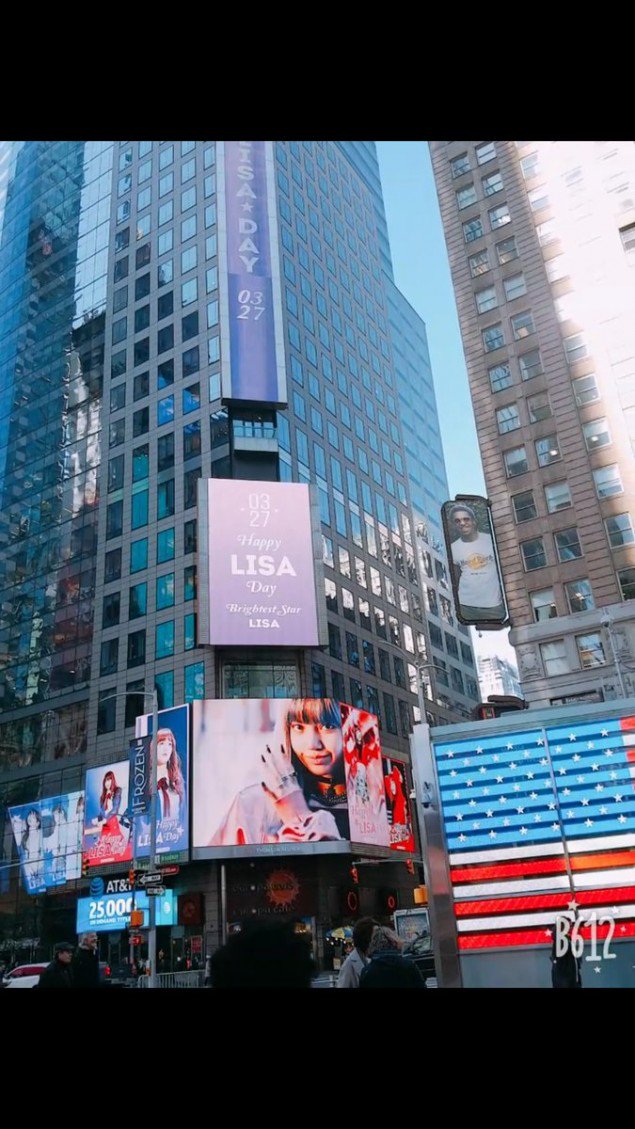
x: 257, y: 564
x: 112, y: 911
x: 286, y: 775
x: 108, y: 816
x: 474, y: 567
x: 48, y: 835
x: 252, y: 348
x: 172, y: 784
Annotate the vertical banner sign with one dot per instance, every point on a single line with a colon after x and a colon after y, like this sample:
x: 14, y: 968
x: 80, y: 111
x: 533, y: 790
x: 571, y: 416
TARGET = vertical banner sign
x: 248, y: 246
x: 172, y: 772
x: 477, y: 583
x: 261, y: 580
x: 140, y: 751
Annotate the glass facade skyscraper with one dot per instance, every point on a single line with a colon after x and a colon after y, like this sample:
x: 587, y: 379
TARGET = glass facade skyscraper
x: 110, y: 397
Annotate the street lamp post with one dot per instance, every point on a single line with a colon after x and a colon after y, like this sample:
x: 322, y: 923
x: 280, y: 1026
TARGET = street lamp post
x: 152, y: 796
x: 607, y: 623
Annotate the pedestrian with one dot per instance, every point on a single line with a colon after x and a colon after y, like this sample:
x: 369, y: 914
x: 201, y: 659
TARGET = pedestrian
x: 264, y: 954
x: 162, y: 964
x: 58, y: 974
x: 387, y: 968
x: 566, y: 969
x: 356, y: 961
x: 86, y: 962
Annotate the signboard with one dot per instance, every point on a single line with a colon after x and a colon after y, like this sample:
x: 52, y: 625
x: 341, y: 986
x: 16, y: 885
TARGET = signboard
x: 148, y: 878
x: 48, y: 835
x: 252, y: 348
x: 409, y: 923
x: 172, y: 776
x: 398, y: 805
x: 108, y: 817
x: 140, y: 753
x: 257, y: 564
x: 155, y: 891
x: 286, y: 776
x: 474, y: 566
x: 110, y: 912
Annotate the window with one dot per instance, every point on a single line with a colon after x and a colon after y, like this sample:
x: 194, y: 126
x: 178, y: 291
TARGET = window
x: 608, y: 481
x: 110, y: 610
x: 466, y: 196
x: 554, y: 657
x: 114, y: 520
x: 492, y: 184
x: 109, y: 657
x: 575, y: 348
x: 620, y: 530
x: 139, y: 514
x: 515, y: 461
x: 533, y: 554
x: 165, y: 411
x: 498, y: 217
x: 626, y: 577
x: 568, y: 545
x: 590, y: 650
x: 500, y: 376
x: 107, y: 711
x: 141, y: 386
x: 529, y: 166
x: 547, y: 450
x: 137, y: 601
x: 522, y: 325
x: 194, y: 681
x: 189, y: 582
x: 627, y: 235
x: 140, y: 422
x: 472, y: 230
x: 479, y: 263
x: 493, y: 337
x: 530, y: 364
x: 543, y: 604
x: 165, y: 591
x: 165, y: 544
x: 507, y: 419
x: 524, y: 506
x: 558, y: 497
x: 460, y: 165
x: 579, y: 596
x: 506, y: 250
x: 486, y: 300
x: 515, y: 287
x: 596, y: 434
x: 137, y: 648
x: 112, y: 565
x: 485, y: 152
x: 538, y: 407
x: 586, y: 390
x: 165, y: 499
x: 165, y: 452
x: 164, y: 639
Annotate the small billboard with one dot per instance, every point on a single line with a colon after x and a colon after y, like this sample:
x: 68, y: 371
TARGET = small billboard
x: 48, y: 835
x: 108, y: 815
x: 477, y: 582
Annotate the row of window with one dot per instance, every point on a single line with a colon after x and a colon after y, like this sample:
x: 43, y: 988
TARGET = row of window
x: 138, y: 593
x: 608, y: 483
x: 590, y: 648
x: 522, y: 325
x: 482, y: 153
x: 596, y: 435
x: 194, y: 688
x: 619, y: 530
x: 364, y: 697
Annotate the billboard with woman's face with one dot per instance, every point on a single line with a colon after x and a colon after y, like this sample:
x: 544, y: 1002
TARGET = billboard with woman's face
x: 285, y: 775
x: 474, y: 567
x: 108, y: 815
x: 48, y: 835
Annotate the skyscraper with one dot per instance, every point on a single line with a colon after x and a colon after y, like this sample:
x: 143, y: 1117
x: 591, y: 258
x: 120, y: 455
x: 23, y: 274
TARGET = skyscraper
x: 116, y: 342
x: 540, y: 240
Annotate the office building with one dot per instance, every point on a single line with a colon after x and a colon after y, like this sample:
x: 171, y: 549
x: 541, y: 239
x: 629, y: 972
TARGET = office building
x: 497, y: 676
x: 540, y: 237
x: 114, y: 281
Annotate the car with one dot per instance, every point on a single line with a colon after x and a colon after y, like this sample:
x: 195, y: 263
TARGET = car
x: 24, y: 976
x: 420, y: 951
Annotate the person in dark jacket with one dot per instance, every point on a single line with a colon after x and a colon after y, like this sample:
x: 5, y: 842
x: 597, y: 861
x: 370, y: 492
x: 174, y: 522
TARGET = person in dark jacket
x: 387, y: 968
x: 58, y: 973
x: 85, y: 964
x: 565, y: 967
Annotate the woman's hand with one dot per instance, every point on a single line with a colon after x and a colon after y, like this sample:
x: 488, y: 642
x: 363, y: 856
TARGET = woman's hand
x: 282, y: 786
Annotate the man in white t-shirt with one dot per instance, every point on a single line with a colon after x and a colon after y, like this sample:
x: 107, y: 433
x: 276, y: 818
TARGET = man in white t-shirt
x: 480, y: 593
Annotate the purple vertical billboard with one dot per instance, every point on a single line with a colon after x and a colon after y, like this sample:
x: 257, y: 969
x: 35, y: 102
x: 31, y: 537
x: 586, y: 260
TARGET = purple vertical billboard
x: 251, y: 318
x: 257, y: 564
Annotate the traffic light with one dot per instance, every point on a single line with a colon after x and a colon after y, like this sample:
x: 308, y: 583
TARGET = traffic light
x: 132, y: 876
x: 388, y: 901
x: 85, y: 866
x: 410, y: 866
x: 354, y: 874
x: 136, y: 918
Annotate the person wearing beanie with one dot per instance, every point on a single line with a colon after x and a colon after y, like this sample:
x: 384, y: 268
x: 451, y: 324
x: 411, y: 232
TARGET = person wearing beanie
x: 58, y: 973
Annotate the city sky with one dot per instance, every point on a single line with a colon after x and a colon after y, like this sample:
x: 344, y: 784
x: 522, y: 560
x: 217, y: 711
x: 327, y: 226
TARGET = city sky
x: 422, y: 273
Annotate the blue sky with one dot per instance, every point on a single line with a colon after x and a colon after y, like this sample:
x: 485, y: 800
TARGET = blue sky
x: 422, y: 273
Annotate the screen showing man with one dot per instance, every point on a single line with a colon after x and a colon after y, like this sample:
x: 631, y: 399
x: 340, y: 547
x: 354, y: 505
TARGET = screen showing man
x: 477, y: 582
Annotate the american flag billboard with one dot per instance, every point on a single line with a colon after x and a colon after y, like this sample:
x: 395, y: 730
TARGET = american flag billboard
x: 536, y: 820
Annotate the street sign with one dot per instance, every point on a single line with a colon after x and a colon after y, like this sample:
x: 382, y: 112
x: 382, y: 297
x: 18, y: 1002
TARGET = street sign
x: 155, y: 891
x: 149, y: 878
x: 165, y: 870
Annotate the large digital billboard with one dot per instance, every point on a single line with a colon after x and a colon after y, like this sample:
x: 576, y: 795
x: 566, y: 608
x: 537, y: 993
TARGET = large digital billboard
x: 172, y: 784
x: 48, y: 835
x: 285, y: 775
x: 252, y: 342
x: 108, y: 815
x: 258, y: 551
x: 398, y: 805
x: 108, y: 912
x: 474, y: 567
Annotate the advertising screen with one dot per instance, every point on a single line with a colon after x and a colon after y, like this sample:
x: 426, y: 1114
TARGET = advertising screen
x: 398, y: 805
x: 108, y: 820
x: 285, y: 775
x: 251, y: 314
x: 112, y: 911
x: 48, y: 835
x: 257, y: 564
x: 172, y: 784
x: 476, y: 578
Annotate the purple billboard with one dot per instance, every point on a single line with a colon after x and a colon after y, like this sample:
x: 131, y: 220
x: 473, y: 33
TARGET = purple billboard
x: 257, y: 564
x: 251, y: 322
